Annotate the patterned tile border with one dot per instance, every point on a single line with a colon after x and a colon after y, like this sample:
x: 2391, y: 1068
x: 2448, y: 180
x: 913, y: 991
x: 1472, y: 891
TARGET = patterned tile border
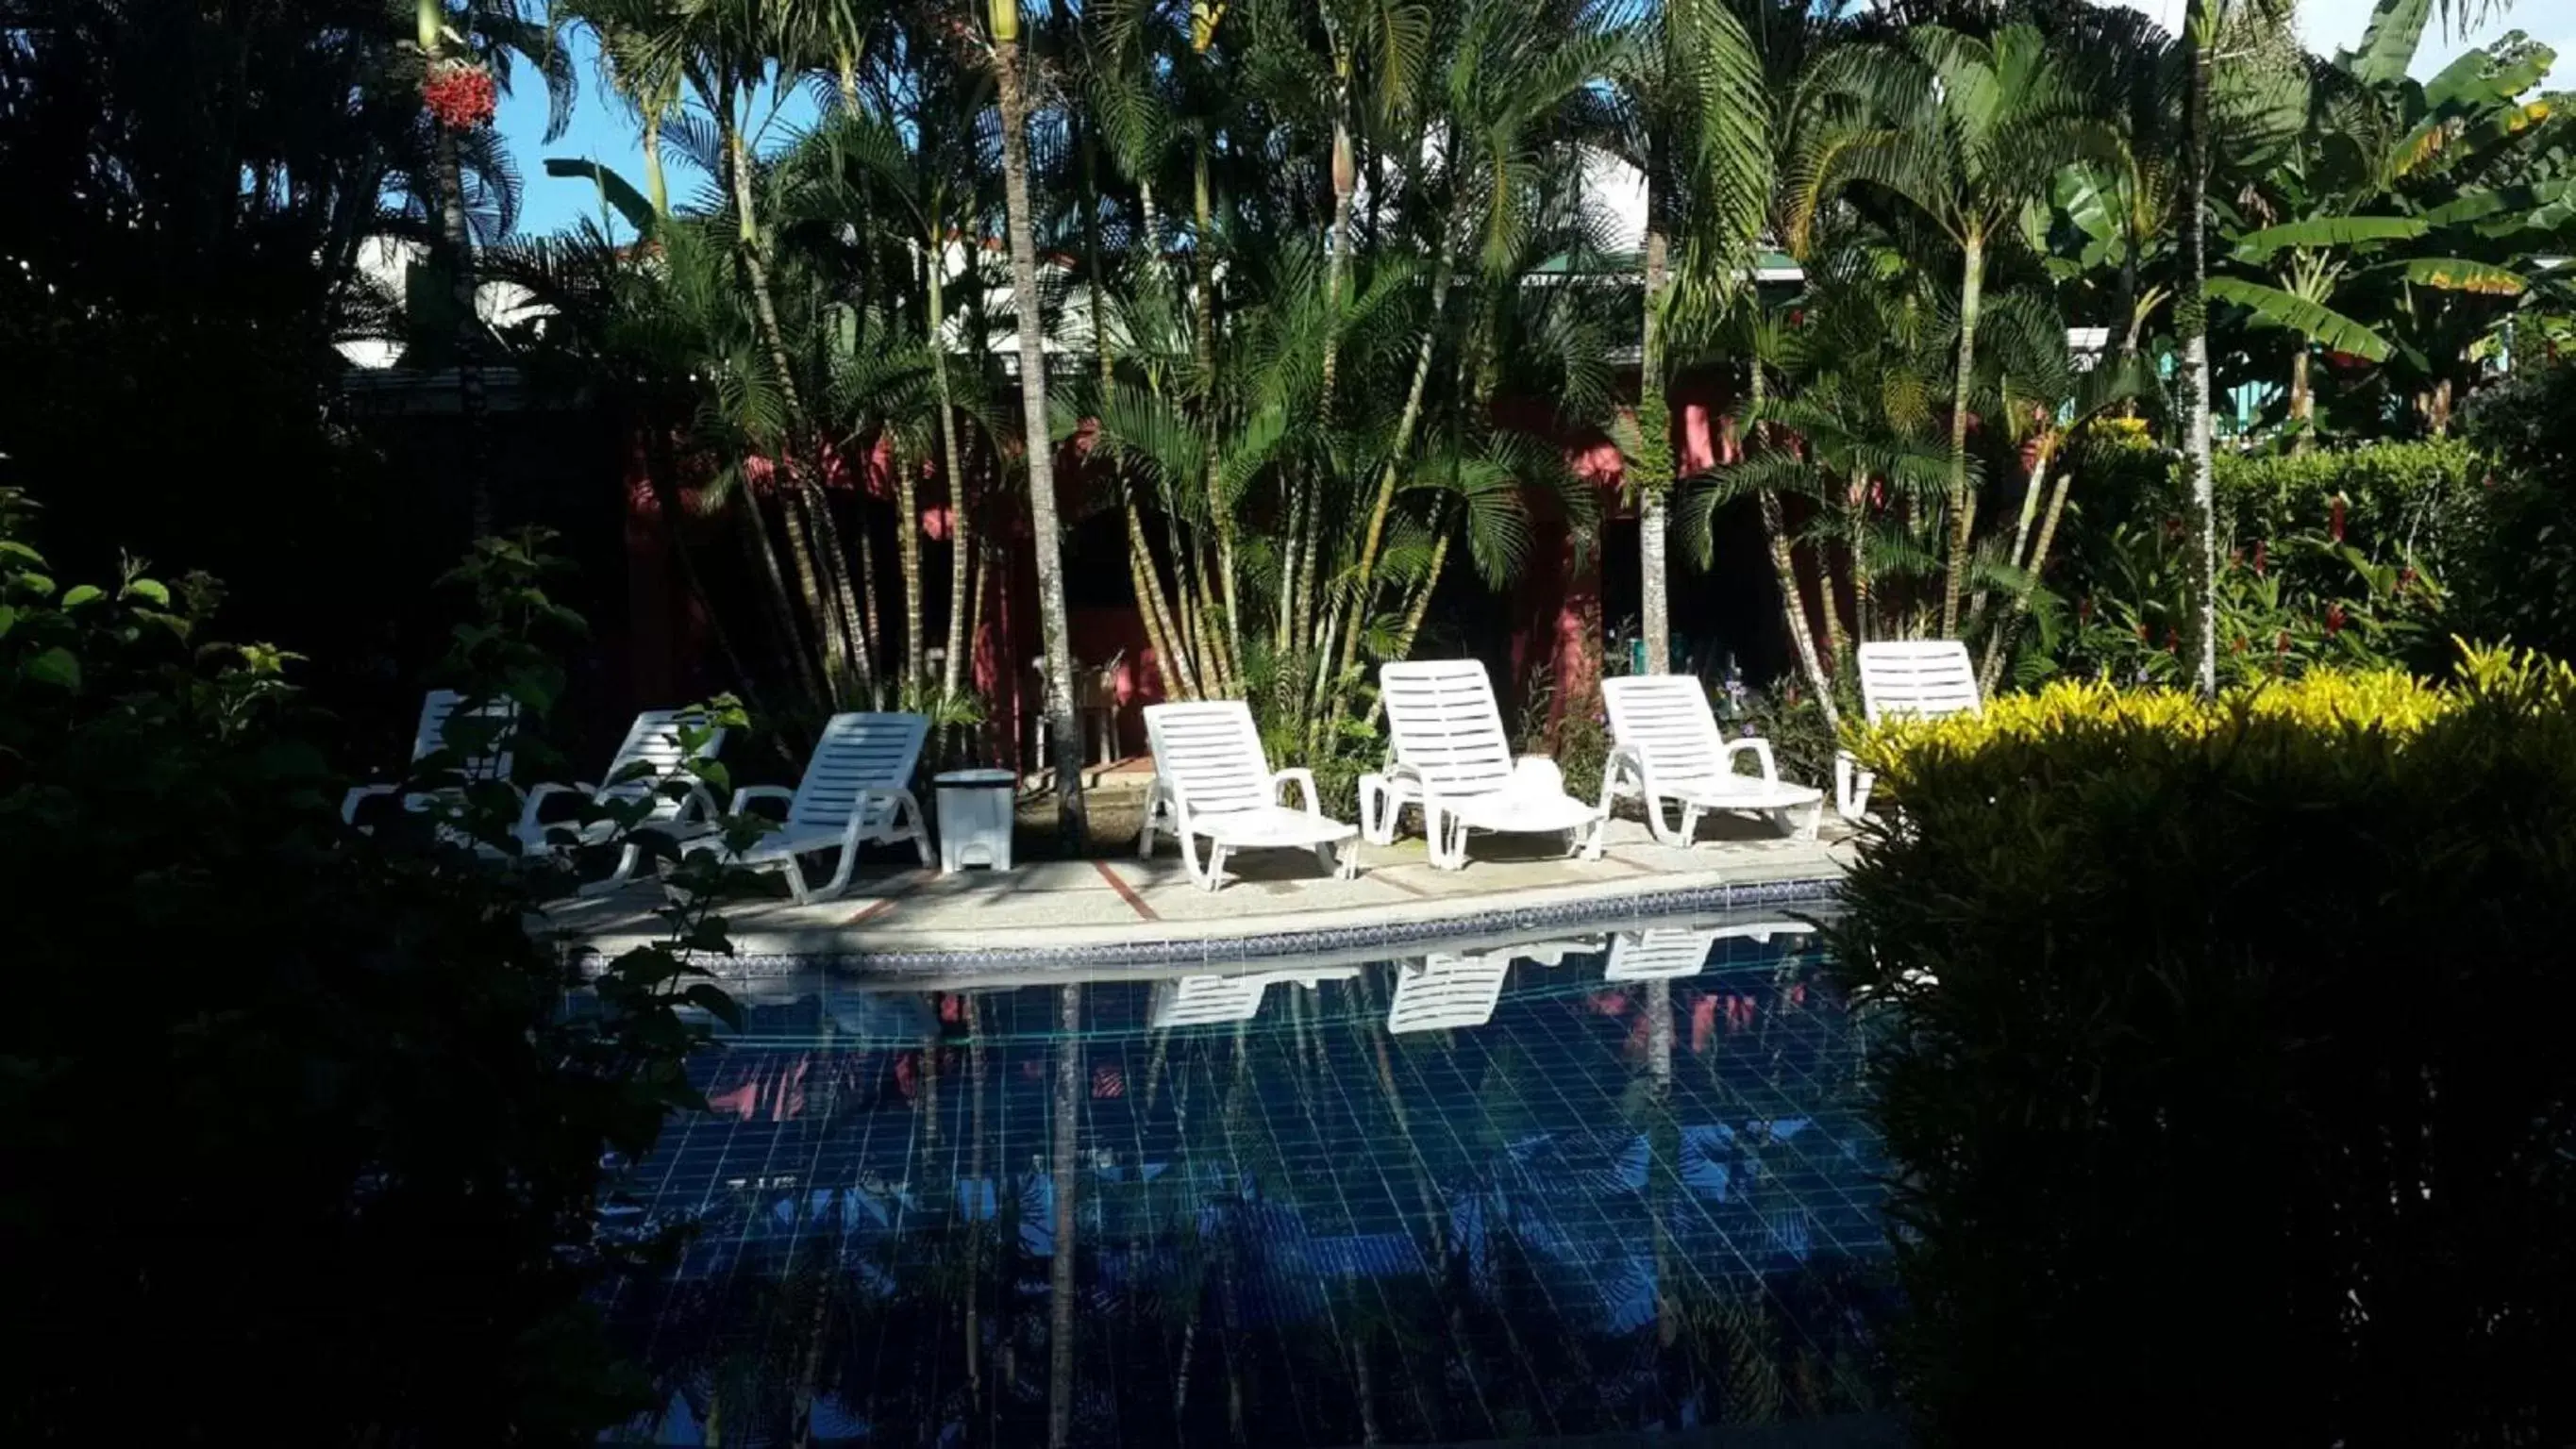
x: 1284, y: 946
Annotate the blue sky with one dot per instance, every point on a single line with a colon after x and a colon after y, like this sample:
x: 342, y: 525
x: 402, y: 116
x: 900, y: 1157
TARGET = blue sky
x: 601, y: 131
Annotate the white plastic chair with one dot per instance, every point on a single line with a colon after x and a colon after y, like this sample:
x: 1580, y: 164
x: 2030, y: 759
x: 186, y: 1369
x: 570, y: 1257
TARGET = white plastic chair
x: 1668, y: 750
x: 437, y: 707
x: 857, y: 790
x: 1446, y: 751
x: 653, y: 742
x: 1904, y: 679
x: 1211, y: 779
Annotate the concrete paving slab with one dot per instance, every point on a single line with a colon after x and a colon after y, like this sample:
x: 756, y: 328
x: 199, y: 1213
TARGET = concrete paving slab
x: 1108, y: 903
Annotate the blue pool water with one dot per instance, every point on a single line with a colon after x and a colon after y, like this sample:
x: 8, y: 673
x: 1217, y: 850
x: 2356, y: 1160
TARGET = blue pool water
x: 1609, y: 1183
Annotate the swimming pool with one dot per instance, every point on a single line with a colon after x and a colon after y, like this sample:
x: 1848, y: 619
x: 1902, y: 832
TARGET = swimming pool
x: 1609, y: 1182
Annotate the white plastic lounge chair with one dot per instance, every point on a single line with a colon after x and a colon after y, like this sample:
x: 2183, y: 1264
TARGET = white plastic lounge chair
x: 1660, y: 953
x: 1211, y: 1000
x: 653, y: 741
x: 1211, y: 779
x: 857, y: 790
x: 1904, y: 679
x: 1668, y: 750
x: 1447, y: 752
x: 436, y: 708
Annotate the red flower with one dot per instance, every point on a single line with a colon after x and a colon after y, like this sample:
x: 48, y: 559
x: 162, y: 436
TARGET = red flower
x: 2334, y: 620
x: 2173, y: 639
x: 460, y: 95
x: 2334, y: 520
x: 2262, y: 555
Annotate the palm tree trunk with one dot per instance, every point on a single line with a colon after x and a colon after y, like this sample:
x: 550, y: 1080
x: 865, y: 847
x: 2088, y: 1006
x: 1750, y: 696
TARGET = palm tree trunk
x: 1220, y: 516
x: 764, y: 557
x: 2192, y: 311
x: 1963, y: 518
x: 907, y: 504
x: 657, y: 184
x: 826, y: 613
x: 471, y: 400
x: 2031, y: 489
x: 456, y: 238
x: 1654, y: 464
x: 960, y: 516
x: 1149, y: 602
x: 1072, y: 825
x: 861, y: 625
x: 1060, y: 1277
x: 1793, y: 606
x: 2303, y: 402
x: 1864, y: 588
x: 1991, y: 669
x: 1364, y: 571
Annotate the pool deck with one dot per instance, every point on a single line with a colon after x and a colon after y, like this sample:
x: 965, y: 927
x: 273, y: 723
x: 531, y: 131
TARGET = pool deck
x: 897, y: 917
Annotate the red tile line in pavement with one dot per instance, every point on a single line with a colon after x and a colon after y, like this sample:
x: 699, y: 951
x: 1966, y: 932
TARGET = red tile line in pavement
x: 896, y: 889
x: 1125, y: 891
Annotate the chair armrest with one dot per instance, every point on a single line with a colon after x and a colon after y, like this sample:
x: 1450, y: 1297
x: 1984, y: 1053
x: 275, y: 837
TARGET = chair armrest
x: 359, y: 795
x: 1624, y: 762
x: 1760, y: 750
x: 749, y: 793
x: 537, y: 798
x: 1304, y: 779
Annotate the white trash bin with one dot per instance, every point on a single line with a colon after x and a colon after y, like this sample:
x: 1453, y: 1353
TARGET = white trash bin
x: 975, y: 818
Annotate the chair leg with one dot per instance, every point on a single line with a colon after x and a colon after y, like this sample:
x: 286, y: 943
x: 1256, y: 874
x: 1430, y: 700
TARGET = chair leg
x: 1851, y: 787
x: 841, y: 871
x: 907, y: 805
x: 1690, y: 827
x: 1664, y: 834
x: 796, y: 881
x: 1374, y: 826
x: 1145, y: 832
x: 1805, y: 820
x: 1215, y: 865
x: 627, y: 860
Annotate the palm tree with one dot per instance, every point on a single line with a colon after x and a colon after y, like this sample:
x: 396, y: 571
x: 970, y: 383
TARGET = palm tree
x: 1695, y: 126
x: 480, y: 37
x: 1046, y: 535
x: 1967, y: 133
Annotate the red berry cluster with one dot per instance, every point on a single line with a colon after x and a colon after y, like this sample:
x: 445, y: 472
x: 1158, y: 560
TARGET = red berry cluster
x: 460, y: 94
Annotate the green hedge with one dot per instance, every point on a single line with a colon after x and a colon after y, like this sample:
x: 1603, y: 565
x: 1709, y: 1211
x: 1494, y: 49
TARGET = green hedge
x: 2401, y: 498
x: 2225, y: 1072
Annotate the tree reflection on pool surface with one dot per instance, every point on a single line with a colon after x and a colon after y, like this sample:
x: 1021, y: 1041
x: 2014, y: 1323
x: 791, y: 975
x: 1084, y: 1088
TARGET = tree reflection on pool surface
x: 1615, y: 1182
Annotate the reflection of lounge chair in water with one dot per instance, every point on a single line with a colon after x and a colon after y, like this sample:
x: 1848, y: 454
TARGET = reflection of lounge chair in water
x: 1206, y: 1000
x: 1445, y: 990
x: 1664, y: 953
x: 1449, y: 989
x: 1658, y: 955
